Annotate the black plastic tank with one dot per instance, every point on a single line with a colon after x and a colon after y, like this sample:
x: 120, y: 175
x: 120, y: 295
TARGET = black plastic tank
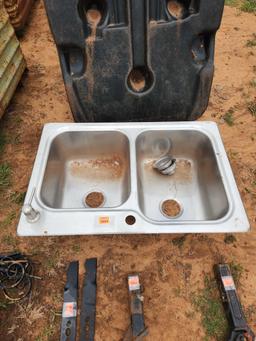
x: 136, y: 60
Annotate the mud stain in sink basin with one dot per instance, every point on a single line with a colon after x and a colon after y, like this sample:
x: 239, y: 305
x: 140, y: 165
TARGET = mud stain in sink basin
x: 183, y: 171
x: 107, y: 167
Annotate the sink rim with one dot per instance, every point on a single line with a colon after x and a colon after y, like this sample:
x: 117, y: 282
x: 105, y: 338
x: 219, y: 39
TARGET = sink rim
x: 50, y: 216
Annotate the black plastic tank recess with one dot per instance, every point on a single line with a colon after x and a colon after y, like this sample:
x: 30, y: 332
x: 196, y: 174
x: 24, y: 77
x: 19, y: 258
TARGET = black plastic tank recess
x: 136, y: 60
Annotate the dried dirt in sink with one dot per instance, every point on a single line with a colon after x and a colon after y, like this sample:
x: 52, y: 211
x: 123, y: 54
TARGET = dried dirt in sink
x: 183, y: 171
x: 102, y: 167
x: 172, y: 268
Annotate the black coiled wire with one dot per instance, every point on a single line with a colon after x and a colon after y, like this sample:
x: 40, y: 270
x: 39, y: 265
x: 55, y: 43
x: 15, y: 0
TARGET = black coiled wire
x: 16, y: 274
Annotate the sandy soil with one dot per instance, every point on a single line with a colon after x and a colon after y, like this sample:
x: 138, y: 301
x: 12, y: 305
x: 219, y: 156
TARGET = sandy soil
x: 170, y: 274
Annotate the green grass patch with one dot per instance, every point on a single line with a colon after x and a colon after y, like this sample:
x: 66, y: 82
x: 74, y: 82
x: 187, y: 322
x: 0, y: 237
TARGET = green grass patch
x: 46, y: 333
x: 248, y: 6
x: 8, y: 220
x: 52, y: 260
x: 237, y: 271
x: 179, y: 241
x: 229, y: 239
x: 251, y: 42
x: 228, y: 117
x: 10, y: 240
x: 232, y: 154
x: 76, y: 248
x: 17, y: 197
x: 177, y: 292
x: 4, y: 304
x: 232, y: 3
x: 250, y: 312
x: 5, y: 174
x: 2, y: 142
x: 207, y: 301
x: 253, y: 83
x: 252, y: 108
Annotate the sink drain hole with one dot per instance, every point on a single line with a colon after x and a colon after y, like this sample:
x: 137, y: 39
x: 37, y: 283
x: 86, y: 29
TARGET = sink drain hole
x: 170, y: 208
x: 94, y: 199
x: 130, y: 220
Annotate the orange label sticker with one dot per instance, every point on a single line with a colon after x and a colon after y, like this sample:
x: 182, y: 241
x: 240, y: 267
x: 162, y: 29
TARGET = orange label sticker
x: 104, y: 220
x: 134, y: 283
x: 69, y: 309
x: 228, y: 283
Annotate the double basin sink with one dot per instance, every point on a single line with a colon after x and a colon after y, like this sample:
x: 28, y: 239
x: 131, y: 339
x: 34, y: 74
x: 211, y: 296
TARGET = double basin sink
x: 102, y: 179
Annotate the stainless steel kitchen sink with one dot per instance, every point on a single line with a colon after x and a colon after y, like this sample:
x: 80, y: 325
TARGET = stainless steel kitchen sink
x: 103, y: 179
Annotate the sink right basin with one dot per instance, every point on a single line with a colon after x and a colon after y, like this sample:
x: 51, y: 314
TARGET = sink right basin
x: 194, y: 192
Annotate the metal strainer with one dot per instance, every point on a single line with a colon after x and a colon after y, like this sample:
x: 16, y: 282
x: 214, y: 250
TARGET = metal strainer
x: 165, y: 165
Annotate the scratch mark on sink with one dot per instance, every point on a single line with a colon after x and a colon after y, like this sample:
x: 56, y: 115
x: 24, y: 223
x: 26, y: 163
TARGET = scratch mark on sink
x: 173, y: 188
x: 183, y: 171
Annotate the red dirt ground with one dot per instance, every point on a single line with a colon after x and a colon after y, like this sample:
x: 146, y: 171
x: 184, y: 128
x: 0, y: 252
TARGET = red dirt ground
x: 170, y: 274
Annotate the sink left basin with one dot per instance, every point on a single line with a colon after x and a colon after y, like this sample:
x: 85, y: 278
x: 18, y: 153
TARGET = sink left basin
x: 87, y: 169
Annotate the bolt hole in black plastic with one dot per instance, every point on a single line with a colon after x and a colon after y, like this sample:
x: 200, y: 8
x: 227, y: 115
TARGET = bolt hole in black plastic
x: 180, y: 9
x: 130, y: 220
x: 68, y: 332
x: 176, y: 9
x: 68, y: 324
x: 140, y: 79
x: 95, y: 11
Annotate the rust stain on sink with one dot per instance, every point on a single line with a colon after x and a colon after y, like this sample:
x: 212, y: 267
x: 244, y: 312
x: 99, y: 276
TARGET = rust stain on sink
x: 105, y: 167
x: 183, y: 171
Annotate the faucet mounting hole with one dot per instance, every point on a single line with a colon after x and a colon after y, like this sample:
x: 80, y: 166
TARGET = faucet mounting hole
x: 170, y: 208
x: 94, y: 199
x: 130, y: 220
